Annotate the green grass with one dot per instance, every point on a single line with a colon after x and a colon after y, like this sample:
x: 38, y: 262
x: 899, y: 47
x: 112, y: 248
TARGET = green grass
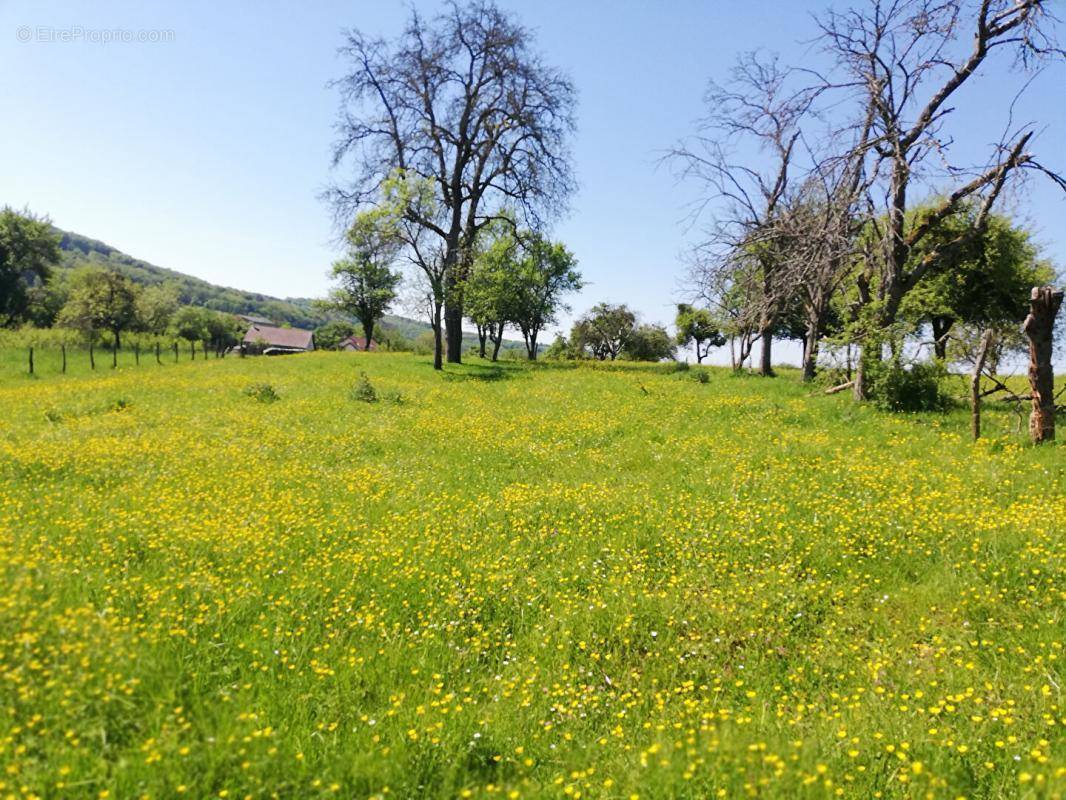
x: 504, y: 580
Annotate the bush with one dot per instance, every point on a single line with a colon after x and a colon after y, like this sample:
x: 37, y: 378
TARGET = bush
x: 897, y: 388
x: 703, y: 376
x: 364, y: 391
x: 262, y: 392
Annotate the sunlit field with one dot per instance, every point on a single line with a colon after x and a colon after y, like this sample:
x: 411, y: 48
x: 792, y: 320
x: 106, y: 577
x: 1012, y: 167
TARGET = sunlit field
x: 518, y: 582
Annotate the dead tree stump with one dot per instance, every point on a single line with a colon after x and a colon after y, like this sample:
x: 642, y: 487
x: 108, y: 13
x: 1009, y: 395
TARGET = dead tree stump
x: 1044, y: 304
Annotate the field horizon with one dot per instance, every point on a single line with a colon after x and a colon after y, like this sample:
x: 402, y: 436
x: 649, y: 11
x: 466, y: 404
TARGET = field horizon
x: 238, y: 578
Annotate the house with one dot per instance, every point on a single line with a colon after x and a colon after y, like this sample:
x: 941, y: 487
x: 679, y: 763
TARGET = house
x: 356, y: 343
x: 271, y: 341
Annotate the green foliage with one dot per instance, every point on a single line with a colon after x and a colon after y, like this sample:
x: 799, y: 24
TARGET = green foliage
x: 649, y: 343
x: 330, y: 335
x: 156, y: 306
x: 697, y: 327
x: 366, y: 278
x: 520, y: 281
x: 100, y: 301
x: 984, y: 280
x: 917, y: 387
x: 28, y: 251
x: 603, y: 331
x: 364, y: 390
x: 262, y: 392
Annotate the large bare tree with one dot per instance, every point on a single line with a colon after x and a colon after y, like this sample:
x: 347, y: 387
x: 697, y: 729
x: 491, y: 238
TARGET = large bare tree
x: 907, y: 60
x: 744, y: 156
x: 464, y: 103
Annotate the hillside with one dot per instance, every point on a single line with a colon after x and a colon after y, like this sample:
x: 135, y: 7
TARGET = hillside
x: 596, y: 581
x: 78, y: 250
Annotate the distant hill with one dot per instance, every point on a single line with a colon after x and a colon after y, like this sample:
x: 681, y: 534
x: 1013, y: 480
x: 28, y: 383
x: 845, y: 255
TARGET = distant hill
x: 80, y: 251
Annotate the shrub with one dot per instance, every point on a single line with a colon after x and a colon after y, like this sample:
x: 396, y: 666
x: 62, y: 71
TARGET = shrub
x: 918, y: 388
x: 364, y: 391
x: 703, y: 376
x: 262, y: 392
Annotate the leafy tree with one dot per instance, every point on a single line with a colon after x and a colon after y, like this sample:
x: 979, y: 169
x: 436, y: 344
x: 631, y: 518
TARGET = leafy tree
x: 604, y: 331
x: 491, y: 290
x: 546, y: 272
x: 223, y: 330
x: 28, y: 249
x: 330, y: 335
x: 47, y: 298
x: 367, y: 280
x: 560, y: 349
x: 156, y: 305
x: 190, y: 322
x: 697, y: 327
x: 983, y: 281
x: 649, y: 343
x: 100, y: 300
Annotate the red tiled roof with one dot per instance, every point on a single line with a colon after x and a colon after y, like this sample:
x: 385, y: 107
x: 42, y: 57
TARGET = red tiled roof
x: 280, y: 337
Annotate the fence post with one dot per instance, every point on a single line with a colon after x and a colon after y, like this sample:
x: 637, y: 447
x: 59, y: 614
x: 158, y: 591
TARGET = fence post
x: 114, y: 356
x: 92, y: 357
x: 192, y: 350
x: 63, y: 350
x: 158, y: 360
x: 175, y: 352
x: 137, y: 353
x: 31, y: 360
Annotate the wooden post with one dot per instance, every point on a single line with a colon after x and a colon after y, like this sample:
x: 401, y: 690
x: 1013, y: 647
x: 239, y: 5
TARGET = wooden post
x: 63, y: 351
x: 137, y: 353
x: 31, y: 359
x: 114, y: 356
x: 192, y: 350
x: 175, y: 352
x: 158, y: 360
x: 1044, y: 304
x: 975, y: 383
x: 92, y: 359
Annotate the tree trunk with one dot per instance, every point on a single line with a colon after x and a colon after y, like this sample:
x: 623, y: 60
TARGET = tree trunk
x: 531, y: 345
x: 368, y: 334
x: 858, y: 388
x: 482, y: 335
x: 766, y: 368
x: 1044, y: 304
x: 975, y: 384
x: 497, y: 342
x: 810, y: 346
x: 438, y: 344
x: 453, y: 326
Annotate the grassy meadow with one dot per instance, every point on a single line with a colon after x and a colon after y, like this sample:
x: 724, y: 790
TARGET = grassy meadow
x: 514, y: 581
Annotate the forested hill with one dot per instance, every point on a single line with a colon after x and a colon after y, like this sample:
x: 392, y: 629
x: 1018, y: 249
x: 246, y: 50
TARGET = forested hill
x: 81, y: 251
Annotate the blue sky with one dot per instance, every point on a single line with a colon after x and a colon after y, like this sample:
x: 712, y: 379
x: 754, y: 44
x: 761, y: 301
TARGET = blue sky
x: 206, y: 153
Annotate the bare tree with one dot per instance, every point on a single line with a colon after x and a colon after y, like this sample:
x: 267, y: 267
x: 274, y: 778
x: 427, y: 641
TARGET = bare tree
x: 463, y: 103
x: 757, y: 110
x: 907, y: 59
